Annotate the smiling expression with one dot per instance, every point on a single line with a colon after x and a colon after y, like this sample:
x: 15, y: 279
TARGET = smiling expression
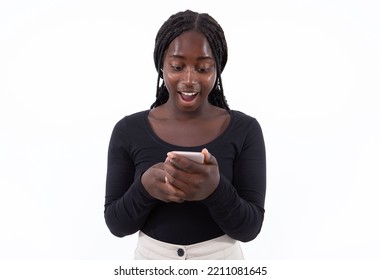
x: 189, y: 71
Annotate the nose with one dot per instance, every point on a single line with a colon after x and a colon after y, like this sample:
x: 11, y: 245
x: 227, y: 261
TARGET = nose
x: 190, y: 76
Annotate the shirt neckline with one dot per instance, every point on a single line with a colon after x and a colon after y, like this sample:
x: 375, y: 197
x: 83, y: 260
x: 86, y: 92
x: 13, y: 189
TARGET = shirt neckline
x: 196, y: 148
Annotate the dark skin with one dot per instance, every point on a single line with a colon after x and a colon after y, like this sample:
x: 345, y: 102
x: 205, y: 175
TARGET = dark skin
x: 187, y: 119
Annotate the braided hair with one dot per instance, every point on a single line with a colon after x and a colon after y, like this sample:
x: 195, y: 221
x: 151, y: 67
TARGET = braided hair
x: 208, y: 26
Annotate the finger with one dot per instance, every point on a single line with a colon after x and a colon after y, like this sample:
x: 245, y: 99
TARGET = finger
x: 174, y: 194
x: 159, y: 165
x: 183, y: 163
x: 179, y: 180
x: 209, y: 158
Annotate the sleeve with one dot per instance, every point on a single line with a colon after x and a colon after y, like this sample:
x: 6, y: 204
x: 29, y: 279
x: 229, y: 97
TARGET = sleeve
x: 127, y: 203
x: 238, y: 206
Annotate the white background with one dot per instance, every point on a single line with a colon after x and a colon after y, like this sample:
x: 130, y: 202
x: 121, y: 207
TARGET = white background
x: 307, y: 70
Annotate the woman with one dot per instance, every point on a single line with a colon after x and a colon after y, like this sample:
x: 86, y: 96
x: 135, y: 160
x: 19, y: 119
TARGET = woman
x: 181, y: 208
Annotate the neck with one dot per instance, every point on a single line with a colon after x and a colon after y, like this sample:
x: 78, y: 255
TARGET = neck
x: 168, y: 111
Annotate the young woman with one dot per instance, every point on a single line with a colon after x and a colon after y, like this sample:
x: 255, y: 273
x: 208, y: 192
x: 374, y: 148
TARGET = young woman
x: 185, y: 209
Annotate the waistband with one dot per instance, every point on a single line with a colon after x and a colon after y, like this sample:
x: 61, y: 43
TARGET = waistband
x: 223, y: 247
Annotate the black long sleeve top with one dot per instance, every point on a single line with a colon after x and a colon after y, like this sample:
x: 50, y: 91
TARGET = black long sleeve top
x: 235, y: 208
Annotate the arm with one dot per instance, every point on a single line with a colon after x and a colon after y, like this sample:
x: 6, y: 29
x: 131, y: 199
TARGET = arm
x: 127, y: 203
x: 238, y: 206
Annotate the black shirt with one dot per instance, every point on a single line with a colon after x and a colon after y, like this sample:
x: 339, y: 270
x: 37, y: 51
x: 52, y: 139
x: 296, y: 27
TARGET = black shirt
x: 236, y: 207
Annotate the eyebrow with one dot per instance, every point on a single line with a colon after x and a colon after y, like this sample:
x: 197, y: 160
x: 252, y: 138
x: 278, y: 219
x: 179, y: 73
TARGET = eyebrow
x: 198, y: 58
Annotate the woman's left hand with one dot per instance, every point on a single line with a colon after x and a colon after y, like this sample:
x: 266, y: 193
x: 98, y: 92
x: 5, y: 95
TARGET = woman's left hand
x: 196, y: 180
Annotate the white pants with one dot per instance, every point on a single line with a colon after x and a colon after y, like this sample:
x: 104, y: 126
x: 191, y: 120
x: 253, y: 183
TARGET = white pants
x: 220, y: 248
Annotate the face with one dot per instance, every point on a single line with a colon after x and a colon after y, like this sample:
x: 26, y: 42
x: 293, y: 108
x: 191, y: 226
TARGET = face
x: 189, y: 71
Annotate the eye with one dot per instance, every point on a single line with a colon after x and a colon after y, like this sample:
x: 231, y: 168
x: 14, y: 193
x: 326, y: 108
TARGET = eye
x: 205, y: 69
x: 176, y: 68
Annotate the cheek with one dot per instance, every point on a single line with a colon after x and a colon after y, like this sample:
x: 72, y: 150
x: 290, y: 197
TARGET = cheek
x: 168, y: 80
x: 171, y: 83
x: 211, y: 81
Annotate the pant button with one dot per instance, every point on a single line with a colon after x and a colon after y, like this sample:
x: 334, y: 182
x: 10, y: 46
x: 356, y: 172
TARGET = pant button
x: 180, y: 252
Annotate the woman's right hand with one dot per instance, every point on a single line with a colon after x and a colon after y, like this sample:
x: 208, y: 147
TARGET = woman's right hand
x: 155, y: 182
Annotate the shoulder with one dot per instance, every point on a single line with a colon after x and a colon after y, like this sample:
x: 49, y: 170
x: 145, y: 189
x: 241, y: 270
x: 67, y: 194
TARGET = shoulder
x: 242, y: 119
x: 247, y: 129
x: 132, y: 120
x: 135, y: 117
x: 129, y: 125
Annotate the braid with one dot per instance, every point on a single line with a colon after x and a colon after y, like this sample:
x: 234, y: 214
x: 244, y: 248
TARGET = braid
x: 175, y: 26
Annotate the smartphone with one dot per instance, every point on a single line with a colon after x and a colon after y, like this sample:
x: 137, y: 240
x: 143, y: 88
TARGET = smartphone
x: 195, y: 156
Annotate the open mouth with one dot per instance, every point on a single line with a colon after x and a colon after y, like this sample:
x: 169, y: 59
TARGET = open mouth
x: 188, y: 96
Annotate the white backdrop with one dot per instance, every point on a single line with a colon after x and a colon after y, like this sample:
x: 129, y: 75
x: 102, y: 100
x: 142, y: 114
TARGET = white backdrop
x: 307, y: 70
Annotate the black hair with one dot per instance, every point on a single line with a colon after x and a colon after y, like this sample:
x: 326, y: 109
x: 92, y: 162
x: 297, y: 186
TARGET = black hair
x: 175, y: 26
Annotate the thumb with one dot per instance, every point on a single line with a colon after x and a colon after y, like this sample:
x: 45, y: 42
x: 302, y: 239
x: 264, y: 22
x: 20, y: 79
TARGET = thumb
x: 209, y: 158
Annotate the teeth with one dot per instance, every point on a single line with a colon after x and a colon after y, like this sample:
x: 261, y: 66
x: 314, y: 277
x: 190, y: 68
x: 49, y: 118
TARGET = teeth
x: 189, y: 93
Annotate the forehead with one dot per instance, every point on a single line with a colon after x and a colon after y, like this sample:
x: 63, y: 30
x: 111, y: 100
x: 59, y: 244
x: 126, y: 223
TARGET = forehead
x: 190, y: 43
